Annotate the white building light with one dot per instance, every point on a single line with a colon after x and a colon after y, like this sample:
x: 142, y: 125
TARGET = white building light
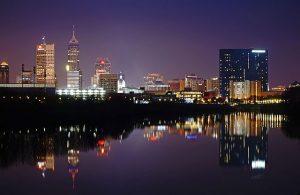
x: 81, y: 93
x: 258, y: 164
x: 258, y: 51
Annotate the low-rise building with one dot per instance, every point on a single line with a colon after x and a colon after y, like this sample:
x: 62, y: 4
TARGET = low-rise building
x: 84, y: 93
x: 190, y: 96
x: 25, y: 77
x: 242, y: 90
x: 18, y: 89
x: 176, y: 85
x: 154, y: 83
x: 74, y: 79
x: 109, y: 82
x: 194, y: 83
x: 213, y: 85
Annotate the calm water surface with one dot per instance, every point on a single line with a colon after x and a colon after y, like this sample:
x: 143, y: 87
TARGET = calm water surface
x: 241, y: 153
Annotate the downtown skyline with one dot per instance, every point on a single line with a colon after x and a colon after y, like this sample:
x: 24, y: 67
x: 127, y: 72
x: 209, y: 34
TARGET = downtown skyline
x: 156, y: 41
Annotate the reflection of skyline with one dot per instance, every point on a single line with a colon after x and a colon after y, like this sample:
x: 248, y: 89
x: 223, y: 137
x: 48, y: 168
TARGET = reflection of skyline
x: 103, y: 148
x: 45, y: 157
x: 191, y: 128
x: 73, y: 161
x: 243, y: 140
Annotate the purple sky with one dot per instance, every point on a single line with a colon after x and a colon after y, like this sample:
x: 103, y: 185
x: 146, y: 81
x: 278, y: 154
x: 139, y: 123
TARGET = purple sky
x: 173, y: 37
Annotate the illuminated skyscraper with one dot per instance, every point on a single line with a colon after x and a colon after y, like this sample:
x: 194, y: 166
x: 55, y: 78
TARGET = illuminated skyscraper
x: 238, y: 65
x: 74, y: 74
x: 103, y: 77
x: 45, y: 69
x: 4, y: 73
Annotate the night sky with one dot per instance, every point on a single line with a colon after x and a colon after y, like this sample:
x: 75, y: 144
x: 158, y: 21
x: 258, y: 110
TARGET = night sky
x: 173, y: 37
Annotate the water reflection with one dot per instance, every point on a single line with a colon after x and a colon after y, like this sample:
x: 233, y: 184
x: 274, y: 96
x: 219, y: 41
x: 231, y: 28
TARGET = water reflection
x: 243, y: 140
x: 191, y: 128
x: 73, y: 160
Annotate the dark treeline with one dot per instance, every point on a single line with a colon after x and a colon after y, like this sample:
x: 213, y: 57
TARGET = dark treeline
x: 292, y: 99
x: 73, y: 110
x: 49, y: 109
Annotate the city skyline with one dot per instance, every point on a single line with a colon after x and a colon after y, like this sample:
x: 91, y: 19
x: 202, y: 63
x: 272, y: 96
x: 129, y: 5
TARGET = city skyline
x: 149, y: 97
x: 158, y: 40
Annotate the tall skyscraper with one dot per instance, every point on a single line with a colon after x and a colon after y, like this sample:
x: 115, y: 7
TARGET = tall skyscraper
x: 4, y: 73
x: 102, y: 66
x: 45, y: 69
x: 238, y: 65
x: 74, y: 74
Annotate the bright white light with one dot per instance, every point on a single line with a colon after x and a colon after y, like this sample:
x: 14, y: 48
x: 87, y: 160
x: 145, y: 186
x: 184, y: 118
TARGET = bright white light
x: 162, y: 128
x: 258, y: 51
x: 258, y: 164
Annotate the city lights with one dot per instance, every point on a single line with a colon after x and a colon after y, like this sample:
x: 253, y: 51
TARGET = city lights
x: 149, y: 97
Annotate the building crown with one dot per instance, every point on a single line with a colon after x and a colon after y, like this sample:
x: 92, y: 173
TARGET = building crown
x: 73, y: 39
x: 4, y: 63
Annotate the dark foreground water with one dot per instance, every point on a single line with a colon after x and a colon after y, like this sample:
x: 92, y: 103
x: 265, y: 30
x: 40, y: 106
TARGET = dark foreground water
x: 242, y: 153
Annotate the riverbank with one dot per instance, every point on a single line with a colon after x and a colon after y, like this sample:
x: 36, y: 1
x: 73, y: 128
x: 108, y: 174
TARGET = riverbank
x: 73, y: 111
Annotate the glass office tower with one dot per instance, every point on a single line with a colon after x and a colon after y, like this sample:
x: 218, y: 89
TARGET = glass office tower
x: 243, y: 64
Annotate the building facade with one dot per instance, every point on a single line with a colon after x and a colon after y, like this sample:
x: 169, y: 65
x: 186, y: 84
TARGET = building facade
x: 212, y: 84
x: 154, y: 83
x: 45, y: 60
x: 102, y: 66
x: 194, y: 83
x: 239, y: 89
x: 109, y: 82
x: 4, y: 73
x: 244, y: 89
x: 81, y: 93
x: 74, y: 74
x: 176, y: 85
x: 25, y: 77
x: 121, y: 83
x: 103, y: 77
x: 190, y: 96
x: 238, y: 65
x: 74, y: 79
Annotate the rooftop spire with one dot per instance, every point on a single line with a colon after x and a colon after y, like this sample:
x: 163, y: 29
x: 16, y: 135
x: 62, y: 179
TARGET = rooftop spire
x: 44, y: 39
x: 73, y: 39
x: 73, y: 30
